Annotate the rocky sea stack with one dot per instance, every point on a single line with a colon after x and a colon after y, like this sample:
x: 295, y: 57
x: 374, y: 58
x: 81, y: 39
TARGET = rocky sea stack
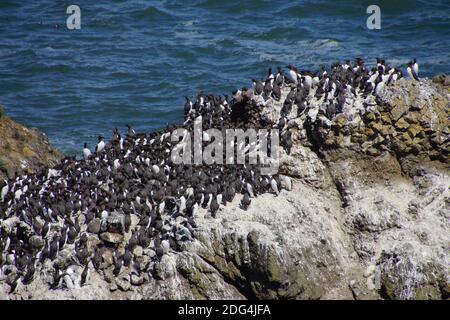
x: 367, y: 215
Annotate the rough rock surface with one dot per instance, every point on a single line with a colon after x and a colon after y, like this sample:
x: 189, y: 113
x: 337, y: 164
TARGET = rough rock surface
x: 368, y: 218
x: 23, y: 149
x: 408, y: 118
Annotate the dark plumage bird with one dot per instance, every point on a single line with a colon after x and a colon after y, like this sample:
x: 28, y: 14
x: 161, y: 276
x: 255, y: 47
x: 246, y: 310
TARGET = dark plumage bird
x: 187, y: 106
x: 214, y: 207
x: 14, y: 284
x: 53, y: 249
x: 62, y: 239
x: 127, y: 258
x: 57, y: 278
x: 276, y: 92
x: 127, y: 222
x: 118, y: 266
x: 331, y: 111
x: 29, y: 275
x: 72, y: 235
x: 287, y: 141
x: 229, y: 193
x: 245, y: 202
x: 85, y: 276
x: 258, y: 87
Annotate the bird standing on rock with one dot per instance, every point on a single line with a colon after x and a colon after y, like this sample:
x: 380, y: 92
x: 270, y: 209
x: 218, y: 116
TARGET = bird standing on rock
x: 214, y: 206
x: 131, y: 133
x: 293, y: 74
x: 274, y: 186
x: 411, y: 70
x: 86, y: 152
x: 85, y: 275
x: 246, y: 201
x: 100, y: 145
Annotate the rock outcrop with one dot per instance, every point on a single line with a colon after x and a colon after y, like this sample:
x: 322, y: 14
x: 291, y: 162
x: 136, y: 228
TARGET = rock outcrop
x: 368, y: 218
x: 408, y: 118
x: 23, y: 149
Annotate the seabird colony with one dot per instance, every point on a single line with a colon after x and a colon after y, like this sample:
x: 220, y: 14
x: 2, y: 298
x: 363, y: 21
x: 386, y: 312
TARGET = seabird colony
x: 128, y: 196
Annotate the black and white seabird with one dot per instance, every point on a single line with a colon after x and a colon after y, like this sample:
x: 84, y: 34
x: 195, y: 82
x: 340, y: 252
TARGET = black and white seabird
x: 258, y: 87
x: 270, y: 75
x: 293, y: 73
x: 86, y: 152
x: 131, y: 132
x: 85, y: 275
x: 187, y: 106
x: 411, y: 70
x: 274, y: 186
x: 100, y: 145
x: 118, y: 266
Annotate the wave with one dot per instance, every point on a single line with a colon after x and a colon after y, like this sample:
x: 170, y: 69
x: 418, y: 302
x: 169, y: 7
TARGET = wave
x: 151, y: 12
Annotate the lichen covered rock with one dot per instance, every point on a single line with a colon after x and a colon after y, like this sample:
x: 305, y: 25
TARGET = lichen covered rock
x: 23, y: 149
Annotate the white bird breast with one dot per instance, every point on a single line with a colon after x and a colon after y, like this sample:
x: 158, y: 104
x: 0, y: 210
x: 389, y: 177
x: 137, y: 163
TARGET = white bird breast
x: 293, y: 75
x: 308, y: 81
x: 100, y: 146
x: 409, y: 71
x: 274, y: 186
x: 5, y: 191
x: 86, y: 152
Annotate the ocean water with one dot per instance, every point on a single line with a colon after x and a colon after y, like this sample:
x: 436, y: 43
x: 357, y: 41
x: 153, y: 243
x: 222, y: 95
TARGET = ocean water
x: 134, y: 61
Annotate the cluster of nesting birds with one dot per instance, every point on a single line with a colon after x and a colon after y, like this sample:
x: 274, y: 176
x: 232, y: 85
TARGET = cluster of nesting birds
x: 70, y: 215
x: 328, y: 90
